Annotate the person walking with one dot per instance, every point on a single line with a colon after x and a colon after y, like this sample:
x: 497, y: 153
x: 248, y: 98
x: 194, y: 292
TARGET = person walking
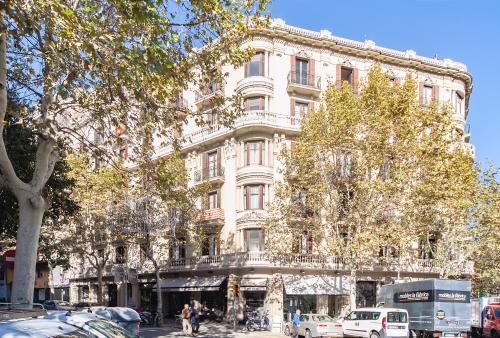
x: 296, y: 323
x: 186, y: 325
x: 195, y: 319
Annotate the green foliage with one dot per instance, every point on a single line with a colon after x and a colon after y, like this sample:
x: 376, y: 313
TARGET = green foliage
x: 377, y: 170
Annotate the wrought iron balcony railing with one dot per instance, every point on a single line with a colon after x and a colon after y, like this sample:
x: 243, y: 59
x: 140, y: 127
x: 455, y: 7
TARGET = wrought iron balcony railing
x: 304, y: 79
x: 210, y: 173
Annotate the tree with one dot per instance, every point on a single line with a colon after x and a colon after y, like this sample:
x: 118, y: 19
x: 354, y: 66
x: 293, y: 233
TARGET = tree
x: 102, y: 197
x: 363, y: 170
x: 103, y: 63
x: 164, y: 209
x: 486, y: 277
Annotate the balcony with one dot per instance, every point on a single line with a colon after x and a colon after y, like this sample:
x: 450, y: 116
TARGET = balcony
x: 211, y: 216
x: 470, y: 149
x: 255, y: 85
x: 307, y: 84
x: 304, y: 262
x: 254, y: 173
x: 213, y: 175
x: 459, y: 120
x: 203, y: 97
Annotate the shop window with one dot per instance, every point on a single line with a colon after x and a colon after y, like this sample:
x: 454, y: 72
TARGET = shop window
x: 366, y: 292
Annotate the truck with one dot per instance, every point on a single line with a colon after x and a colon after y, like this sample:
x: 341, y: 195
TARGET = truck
x: 485, y: 320
x: 436, y: 307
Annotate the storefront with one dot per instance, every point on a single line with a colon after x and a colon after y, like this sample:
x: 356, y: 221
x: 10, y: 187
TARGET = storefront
x: 208, y: 291
x: 313, y: 294
x: 253, y: 291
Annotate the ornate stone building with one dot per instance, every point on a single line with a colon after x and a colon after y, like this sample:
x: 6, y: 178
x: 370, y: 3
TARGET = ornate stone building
x: 283, y: 81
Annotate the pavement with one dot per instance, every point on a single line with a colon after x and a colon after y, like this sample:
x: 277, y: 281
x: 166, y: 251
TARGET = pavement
x: 207, y: 330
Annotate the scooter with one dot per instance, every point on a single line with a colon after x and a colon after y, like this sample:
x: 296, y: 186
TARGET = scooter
x: 257, y: 322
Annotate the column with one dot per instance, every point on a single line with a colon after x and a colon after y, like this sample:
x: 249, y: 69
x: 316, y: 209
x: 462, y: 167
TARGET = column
x: 121, y: 294
x: 241, y: 161
x: 266, y: 61
x: 267, y: 198
x: 266, y: 153
x: 274, y: 302
x: 136, y: 294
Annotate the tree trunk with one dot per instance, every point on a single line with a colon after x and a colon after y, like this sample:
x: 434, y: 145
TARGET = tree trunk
x: 352, y: 290
x: 99, y: 285
x: 159, y: 305
x: 51, y: 280
x: 30, y: 221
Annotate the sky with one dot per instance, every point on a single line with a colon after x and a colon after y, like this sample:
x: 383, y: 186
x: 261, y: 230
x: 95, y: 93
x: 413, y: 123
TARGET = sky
x: 467, y: 31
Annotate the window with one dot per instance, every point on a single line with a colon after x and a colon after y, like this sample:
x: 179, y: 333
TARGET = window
x: 210, y: 246
x: 303, y: 244
x: 178, y: 250
x: 255, y: 67
x: 397, y: 317
x: 387, y: 251
x: 212, y: 164
x: 254, y: 240
x: 254, y: 103
x: 345, y: 164
x: 301, y: 108
x: 254, y: 152
x: 212, y: 200
x: 253, y: 197
x: 346, y: 75
x: 427, y: 248
x: 301, y: 71
x: 121, y: 255
x: 427, y: 95
x: 458, y: 104
x: 211, y: 119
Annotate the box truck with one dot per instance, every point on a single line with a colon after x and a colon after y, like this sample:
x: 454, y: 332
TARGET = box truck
x: 436, y: 307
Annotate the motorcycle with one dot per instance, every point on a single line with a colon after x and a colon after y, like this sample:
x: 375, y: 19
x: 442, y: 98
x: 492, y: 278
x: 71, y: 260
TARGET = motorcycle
x: 257, y: 321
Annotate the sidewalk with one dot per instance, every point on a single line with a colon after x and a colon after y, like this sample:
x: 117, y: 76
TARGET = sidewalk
x: 207, y: 330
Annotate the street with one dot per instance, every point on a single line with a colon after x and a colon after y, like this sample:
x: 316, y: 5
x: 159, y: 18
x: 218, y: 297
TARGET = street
x: 207, y: 329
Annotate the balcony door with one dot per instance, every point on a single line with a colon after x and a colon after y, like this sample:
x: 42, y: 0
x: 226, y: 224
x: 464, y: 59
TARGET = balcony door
x: 212, y: 164
x: 301, y: 71
x: 254, y: 240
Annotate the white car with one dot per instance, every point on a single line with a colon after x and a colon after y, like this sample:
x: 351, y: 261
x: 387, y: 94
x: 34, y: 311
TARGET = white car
x: 376, y: 323
x: 99, y: 326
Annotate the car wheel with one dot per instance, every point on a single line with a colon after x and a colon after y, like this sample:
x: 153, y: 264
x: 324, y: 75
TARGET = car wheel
x: 287, y: 330
x: 374, y: 334
x: 308, y: 334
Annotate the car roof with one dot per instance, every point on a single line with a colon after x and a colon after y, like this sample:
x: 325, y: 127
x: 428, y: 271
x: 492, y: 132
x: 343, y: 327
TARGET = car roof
x: 74, y: 318
x: 379, y: 309
x: 122, y: 314
x: 34, y: 328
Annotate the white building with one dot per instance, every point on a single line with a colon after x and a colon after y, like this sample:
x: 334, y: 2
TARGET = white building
x: 283, y: 81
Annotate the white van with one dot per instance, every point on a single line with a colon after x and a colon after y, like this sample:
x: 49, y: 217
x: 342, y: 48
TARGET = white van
x: 376, y: 323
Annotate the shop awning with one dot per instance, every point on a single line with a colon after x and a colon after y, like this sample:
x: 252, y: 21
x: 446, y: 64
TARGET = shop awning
x: 211, y: 283
x: 314, y: 285
x: 253, y: 284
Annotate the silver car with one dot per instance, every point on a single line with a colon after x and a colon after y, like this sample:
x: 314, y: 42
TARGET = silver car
x: 40, y: 328
x: 316, y: 325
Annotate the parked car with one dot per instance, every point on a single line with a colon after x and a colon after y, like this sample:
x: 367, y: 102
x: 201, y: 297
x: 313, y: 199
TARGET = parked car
x: 486, y: 317
x: 57, y: 305
x: 376, y: 323
x: 90, y: 322
x: 316, y: 325
x: 40, y: 328
x: 83, y: 305
x: 125, y: 317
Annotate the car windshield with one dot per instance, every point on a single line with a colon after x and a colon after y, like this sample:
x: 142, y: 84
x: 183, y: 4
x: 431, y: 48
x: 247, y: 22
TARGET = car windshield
x: 322, y: 318
x: 109, y: 329
x: 397, y: 317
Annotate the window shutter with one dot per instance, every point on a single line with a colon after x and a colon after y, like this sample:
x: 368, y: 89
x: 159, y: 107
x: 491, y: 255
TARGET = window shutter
x: 435, y: 93
x: 205, y: 160
x: 247, y: 68
x: 247, y: 198
x: 205, y: 202
x: 355, y: 79
x: 292, y: 111
x: 311, y: 107
x: 260, y: 153
x: 261, y: 64
x: 247, y: 148
x: 219, y: 198
x: 218, y: 169
x: 338, y: 79
x: 311, y: 66
x: 292, y: 68
x: 421, y: 93
x: 261, y: 196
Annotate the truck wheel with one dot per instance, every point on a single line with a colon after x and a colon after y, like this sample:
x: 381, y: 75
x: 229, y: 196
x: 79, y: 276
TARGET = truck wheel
x: 374, y: 334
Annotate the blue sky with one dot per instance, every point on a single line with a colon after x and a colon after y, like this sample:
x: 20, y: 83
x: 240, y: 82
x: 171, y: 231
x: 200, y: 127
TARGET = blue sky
x: 462, y: 30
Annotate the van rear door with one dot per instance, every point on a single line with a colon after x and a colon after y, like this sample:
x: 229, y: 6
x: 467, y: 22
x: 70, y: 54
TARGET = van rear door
x: 397, y: 324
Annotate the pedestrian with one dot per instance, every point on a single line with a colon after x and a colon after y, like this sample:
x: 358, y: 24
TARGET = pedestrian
x: 195, y: 318
x: 296, y: 323
x: 186, y: 325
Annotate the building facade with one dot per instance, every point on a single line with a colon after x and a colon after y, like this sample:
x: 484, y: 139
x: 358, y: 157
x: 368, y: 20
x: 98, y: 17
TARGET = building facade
x: 283, y: 81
